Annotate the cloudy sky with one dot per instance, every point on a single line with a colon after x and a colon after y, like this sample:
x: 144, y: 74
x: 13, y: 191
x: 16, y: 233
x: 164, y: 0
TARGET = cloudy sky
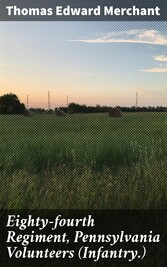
x: 93, y: 63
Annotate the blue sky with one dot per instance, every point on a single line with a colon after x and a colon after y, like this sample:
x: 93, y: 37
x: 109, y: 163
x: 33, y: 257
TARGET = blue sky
x: 93, y: 63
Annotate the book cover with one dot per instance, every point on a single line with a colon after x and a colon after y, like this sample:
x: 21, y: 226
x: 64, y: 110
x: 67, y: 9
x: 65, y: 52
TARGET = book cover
x: 83, y: 176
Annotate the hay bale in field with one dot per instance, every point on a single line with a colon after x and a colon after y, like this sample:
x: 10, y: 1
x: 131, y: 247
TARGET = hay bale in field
x: 115, y: 112
x: 27, y: 113
x: 60, y: 113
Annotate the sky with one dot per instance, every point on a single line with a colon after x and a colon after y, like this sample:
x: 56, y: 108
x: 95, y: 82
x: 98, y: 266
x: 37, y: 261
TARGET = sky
x: 93, y: 63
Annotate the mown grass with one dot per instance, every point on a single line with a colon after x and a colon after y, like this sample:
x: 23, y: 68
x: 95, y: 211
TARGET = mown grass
x: 84, y: 161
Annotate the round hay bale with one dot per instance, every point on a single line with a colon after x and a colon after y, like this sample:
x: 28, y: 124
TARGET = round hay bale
x: 60, y: 113
x: 115, y: 112
x: 27, y: 113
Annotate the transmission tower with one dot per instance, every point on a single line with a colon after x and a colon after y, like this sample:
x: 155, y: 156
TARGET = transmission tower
x: 48, y: 100
x: 136, y: 99
x: 27, y: 101
x: 67, y: 100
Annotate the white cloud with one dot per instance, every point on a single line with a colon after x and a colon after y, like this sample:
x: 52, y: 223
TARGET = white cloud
x: 161, y: 58
x: 133, y: 36
x: 161, y: 67
x: 157, y: 70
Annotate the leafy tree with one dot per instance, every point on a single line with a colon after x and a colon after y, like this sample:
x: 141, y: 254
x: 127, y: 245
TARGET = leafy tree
x: 73, y: 108
x: 10, y: 104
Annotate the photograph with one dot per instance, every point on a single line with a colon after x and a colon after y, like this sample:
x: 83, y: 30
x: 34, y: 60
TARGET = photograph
x: 83, y: 115
x: 83, y: 133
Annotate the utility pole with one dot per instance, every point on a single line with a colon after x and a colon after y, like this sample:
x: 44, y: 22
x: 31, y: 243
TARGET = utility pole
x: 67, y: 100
x: 136, y: 99
x: 27, y: 101
x: 48, y: 100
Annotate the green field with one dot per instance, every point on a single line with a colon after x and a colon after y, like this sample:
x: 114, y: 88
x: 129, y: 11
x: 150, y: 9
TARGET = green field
x: 83, y: 161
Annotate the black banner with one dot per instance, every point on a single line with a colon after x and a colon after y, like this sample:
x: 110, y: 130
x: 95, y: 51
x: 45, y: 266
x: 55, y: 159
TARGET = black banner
x: 83, y: 237
x: 85, y: 10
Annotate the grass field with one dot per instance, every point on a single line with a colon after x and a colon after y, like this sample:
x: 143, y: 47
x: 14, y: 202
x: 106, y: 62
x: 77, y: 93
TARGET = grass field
x: 83, y: 161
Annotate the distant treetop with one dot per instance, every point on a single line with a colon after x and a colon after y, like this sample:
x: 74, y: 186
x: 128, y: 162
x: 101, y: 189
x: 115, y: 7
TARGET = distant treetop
x: 10, y: 104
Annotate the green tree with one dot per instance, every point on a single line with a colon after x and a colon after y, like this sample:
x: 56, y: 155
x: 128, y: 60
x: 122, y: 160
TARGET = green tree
x: 10, y: 104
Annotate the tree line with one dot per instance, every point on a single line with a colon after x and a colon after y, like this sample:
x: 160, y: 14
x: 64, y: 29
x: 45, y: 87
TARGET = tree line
x: 77, y: 108
x: 10, y: 104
